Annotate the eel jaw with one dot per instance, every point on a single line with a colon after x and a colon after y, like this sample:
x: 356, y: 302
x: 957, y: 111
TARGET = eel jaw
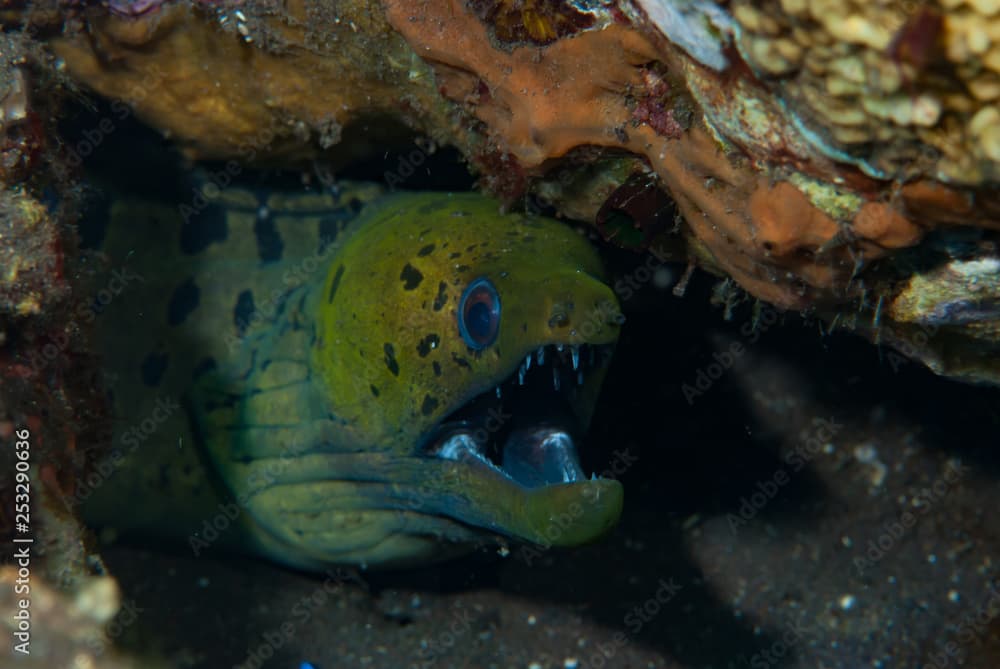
x: 541, y: 456
x: 517, y: 442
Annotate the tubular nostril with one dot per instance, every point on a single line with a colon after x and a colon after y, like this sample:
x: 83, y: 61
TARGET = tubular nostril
x: 560, y: 313
x: 558, y: 319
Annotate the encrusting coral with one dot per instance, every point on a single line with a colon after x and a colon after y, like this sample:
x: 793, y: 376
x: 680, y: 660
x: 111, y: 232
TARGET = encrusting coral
x: 802, y: 140
x: 763, y: 201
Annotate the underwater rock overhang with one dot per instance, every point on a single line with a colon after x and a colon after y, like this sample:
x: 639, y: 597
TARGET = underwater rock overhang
x: 802, y: 141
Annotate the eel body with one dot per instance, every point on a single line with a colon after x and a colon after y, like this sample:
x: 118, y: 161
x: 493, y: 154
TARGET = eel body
x: 354, y: 379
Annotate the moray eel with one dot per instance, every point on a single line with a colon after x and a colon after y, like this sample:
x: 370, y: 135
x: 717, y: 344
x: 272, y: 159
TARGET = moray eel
x: 324, y: 391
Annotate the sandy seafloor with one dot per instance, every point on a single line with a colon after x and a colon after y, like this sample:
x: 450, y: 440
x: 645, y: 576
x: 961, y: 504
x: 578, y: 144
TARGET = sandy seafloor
x: 823, y: 504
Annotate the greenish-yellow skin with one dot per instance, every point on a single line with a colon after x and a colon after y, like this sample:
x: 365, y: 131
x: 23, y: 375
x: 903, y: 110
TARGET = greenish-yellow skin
x: 303, y: 427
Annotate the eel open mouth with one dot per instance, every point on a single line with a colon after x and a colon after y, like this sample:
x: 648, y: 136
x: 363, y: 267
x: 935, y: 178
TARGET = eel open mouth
x: 525, y: 429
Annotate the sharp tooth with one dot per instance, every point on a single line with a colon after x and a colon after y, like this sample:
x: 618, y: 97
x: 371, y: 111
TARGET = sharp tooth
x: 555, y: 377
x: 540, y: 353
x: 520, y: 375
x: 576, y: 356
x: 559, y: 347
x: 527, y: 363
x: 498, y: 392
x: 579, y: 378
x: 593, y: 476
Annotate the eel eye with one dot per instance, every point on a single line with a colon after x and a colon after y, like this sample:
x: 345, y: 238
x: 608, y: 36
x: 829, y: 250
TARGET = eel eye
x: 479, y: 314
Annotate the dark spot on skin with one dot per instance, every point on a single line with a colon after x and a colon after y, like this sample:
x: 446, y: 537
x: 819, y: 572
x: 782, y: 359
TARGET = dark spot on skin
x: 426, y: 251
x: 374, y: 389
x: 442, y: 296
x: 204, y: 366
x: 471, y: 246
x: 460, y: 361
x: 182, y: 302
x: 454, y: 254
x: 430, y: 403
x: 330, y: 225
x: 524, y: 327
x: 410, y: 276
x: 227, y: 402
x: 437, y: 368
x: 243, y: 311
x: 279, y: 309
x: 203, y: 228
x: 335, y: 284
x: 428, y: 344
x: 269, y: 244
x: 462, y: 268
x: 425, y: 231
x: 153, y: 367
x: 390, y: 359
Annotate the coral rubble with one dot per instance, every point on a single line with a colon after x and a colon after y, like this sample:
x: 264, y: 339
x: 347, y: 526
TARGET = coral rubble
x: 48, y: 397
x: 274, y: 97
x: 899, y: 89
x: 64, y: 629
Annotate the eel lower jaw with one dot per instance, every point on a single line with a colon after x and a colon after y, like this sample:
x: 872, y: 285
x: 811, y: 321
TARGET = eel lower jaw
x: 518, y: 445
